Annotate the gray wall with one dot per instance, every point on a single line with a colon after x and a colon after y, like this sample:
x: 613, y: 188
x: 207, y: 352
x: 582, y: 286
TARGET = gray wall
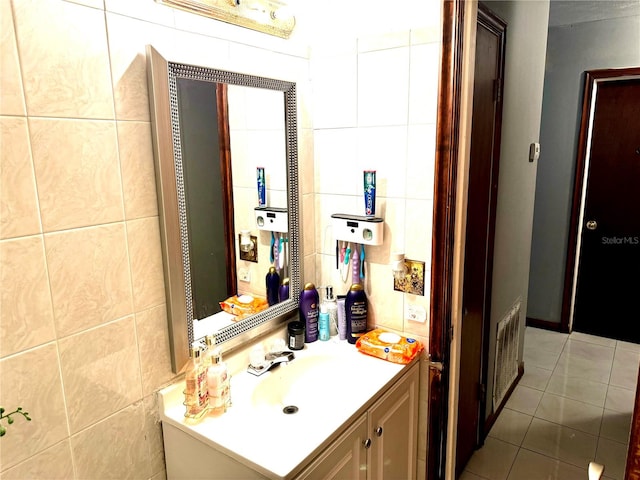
x: 523, y: 84
x: 571, y: 50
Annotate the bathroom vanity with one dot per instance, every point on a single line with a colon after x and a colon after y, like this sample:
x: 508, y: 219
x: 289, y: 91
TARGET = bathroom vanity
x: 355, y: 417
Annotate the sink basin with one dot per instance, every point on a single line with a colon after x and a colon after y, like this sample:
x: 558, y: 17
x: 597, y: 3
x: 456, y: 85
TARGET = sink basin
x: 297, y: 384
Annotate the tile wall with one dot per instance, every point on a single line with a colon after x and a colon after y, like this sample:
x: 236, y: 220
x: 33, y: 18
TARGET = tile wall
x: 83, y: 332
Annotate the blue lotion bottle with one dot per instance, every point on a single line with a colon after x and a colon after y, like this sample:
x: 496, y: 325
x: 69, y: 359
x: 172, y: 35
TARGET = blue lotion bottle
x: 309, y: 312
x: 356, y: 309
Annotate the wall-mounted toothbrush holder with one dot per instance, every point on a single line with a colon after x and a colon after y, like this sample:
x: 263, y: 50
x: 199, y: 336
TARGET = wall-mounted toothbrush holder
x: 272, y: 219
x: 358, y: 229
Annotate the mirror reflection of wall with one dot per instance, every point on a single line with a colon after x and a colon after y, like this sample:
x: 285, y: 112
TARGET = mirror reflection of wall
x: 257, y: 139
x: 207, y: 198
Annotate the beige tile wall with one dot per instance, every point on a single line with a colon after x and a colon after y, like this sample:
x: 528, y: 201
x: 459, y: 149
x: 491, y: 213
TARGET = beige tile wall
x: 83, y: 330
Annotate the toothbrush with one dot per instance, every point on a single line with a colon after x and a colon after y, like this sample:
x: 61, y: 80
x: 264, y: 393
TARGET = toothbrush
x: 273, y: 241
x: 362, y: 262
x: 355, y: 266
x: 344, y: 267
x: 281, y: 253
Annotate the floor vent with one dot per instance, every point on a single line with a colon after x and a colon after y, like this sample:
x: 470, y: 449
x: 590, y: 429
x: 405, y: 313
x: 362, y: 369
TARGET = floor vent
x: 506, y: 367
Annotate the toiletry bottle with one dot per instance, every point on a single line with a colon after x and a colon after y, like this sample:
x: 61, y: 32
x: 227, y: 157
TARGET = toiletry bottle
x: 207, y: 354
x: 356, y: 307
x: 323, y: 324
x: 342, y: 317
x: 332, y: 310
x: 195, y: 393
x: 309, y: 312
x: 218, y: 384
x: 283, y: 292
x: 272, y: 281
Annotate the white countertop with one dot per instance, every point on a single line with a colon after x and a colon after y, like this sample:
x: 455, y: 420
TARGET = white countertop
x: 337, y: 386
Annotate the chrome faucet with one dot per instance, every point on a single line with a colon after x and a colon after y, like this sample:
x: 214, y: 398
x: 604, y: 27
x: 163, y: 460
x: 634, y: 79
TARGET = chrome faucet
x: 271, y: 360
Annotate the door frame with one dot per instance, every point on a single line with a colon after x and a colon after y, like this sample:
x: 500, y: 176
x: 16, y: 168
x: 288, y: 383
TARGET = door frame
x: 443, y: 305
x: 590, y: 89
x: 448, y: 228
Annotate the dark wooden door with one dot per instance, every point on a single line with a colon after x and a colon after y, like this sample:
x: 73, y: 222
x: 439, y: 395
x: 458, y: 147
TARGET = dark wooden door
x: 480, y: 232
x: 608, y: 280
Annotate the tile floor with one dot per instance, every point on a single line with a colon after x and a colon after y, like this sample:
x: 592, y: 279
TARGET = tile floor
x: 573, y: 405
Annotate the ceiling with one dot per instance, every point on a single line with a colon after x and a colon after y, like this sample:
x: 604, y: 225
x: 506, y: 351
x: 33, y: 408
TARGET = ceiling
x: 567, y: 12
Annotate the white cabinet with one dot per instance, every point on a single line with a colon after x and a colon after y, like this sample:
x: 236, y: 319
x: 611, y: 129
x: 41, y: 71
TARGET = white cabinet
x: 381, y: 444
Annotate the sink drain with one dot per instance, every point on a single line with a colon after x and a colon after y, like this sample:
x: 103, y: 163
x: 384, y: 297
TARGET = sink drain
x: 290, y: 409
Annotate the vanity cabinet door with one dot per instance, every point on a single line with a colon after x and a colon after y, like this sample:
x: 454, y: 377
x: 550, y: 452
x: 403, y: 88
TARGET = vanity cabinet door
x: 393, y: 424
x: 345, y: 459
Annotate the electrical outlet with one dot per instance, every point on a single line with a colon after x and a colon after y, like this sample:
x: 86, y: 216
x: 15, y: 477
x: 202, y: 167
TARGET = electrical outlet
x: 244, y: 275
x: 416, y: 313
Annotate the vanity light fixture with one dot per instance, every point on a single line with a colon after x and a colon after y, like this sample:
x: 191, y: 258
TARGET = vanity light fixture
x: 273, y: 17
x: 248, y: 246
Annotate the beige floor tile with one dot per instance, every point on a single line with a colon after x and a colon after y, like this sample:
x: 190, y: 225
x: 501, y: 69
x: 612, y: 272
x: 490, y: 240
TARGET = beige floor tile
x: 578, y: 388
x: 470, y: 476
x: 570, y: 413
x: 616, y: 426
x: 533, y: 466
x: 613, y: 456
x: 624, y: 372
x: 560, y: 442
x: 535, y: 377
x: 585, y: 360
x: 541, y: 358
x: 585, y: 337
x: 493, y: 461
x: 620, y: 399
x: 537, y: 339
x: 511, y: 426
x: 628, y: 346
x: 524, y: 400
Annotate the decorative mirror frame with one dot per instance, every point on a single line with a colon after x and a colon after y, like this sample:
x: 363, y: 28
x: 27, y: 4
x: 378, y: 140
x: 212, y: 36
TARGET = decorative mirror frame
x: 162, y: 75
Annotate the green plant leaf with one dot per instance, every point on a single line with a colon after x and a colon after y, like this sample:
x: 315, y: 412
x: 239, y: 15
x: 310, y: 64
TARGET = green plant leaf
x: 9, y: 420
x: 2, y: 431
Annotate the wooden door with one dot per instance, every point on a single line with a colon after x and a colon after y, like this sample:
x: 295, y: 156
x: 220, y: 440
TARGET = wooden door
x: 480, y: 232
x: 608, y: 279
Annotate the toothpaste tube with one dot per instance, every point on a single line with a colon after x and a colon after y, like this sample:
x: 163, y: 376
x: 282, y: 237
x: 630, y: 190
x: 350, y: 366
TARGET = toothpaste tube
x: 370, y: 192
x: 262, y: 187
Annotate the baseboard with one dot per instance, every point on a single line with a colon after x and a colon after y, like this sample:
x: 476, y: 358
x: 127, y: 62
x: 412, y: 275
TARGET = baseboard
x: 544, y: 324
x: 491, y: 419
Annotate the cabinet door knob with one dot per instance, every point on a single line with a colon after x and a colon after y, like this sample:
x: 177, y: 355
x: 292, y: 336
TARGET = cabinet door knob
x: 379, y: 431
x: 367, y: 443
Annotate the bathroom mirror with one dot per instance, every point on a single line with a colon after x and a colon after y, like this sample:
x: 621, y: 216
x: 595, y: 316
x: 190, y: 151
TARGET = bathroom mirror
x: 211, y: 130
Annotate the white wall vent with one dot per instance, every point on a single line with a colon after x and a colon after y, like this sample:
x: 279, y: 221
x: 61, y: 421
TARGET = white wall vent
x: 506, y: 366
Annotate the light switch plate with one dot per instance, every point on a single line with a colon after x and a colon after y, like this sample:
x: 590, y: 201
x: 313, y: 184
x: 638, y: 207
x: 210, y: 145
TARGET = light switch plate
x: 534, y: 152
